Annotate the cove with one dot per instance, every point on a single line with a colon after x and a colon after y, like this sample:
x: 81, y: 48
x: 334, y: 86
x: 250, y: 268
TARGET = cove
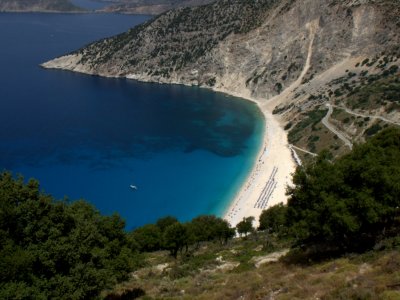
x: 188, y: 150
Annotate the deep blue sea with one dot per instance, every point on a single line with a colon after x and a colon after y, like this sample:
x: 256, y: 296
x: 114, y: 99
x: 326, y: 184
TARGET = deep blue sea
x: 186, y: 149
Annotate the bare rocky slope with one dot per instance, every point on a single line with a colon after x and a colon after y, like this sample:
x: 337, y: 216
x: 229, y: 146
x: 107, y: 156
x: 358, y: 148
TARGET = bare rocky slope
x: 38, y: 5
x: 296, y: 56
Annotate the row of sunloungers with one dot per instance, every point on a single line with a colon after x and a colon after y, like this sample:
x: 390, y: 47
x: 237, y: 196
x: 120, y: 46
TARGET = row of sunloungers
x: 269, y: 188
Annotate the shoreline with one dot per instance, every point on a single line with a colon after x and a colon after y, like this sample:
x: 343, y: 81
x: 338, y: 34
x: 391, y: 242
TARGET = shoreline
x: 265, y: 185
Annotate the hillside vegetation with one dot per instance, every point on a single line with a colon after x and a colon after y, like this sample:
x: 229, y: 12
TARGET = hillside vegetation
x: 178, y: 38
x: 365, y: 100
x: 58, y: 250
x: 247, y: 269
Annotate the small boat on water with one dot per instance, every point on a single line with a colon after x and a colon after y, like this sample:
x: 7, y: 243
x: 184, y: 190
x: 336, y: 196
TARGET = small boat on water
x: 133, y: 187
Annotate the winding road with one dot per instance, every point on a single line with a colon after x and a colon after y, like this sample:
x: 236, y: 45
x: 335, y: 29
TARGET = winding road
x: 366, y: 116
x: 332, y: 128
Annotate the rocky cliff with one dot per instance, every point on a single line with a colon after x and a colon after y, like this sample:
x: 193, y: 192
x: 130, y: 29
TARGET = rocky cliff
x: 296, y: 56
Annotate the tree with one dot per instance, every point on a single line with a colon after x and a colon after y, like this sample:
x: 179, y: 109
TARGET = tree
x: 175, y: 238
x: 352, y: 202
x: 273, y: 220
x: 148, y: 237
x: 208, y: 228
x: 164, y: 222
x: 203, y: 228
x: 245, y: 226
x: 49, y: 249
x: 224, y: 231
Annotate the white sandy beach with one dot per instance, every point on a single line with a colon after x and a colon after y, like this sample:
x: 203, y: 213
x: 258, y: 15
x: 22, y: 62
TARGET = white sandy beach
x: 266, y: 184
x: 272, y: 172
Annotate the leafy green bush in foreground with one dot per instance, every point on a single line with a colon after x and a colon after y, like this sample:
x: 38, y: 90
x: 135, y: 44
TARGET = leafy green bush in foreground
x: 50, y: 249
x: 350, y: 203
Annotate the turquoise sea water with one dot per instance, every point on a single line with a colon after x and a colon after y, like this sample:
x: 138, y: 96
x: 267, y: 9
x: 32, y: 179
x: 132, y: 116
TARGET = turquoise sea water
x: 187, y: 150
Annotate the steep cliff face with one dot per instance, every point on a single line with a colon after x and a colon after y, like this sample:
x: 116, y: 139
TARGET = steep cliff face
x: 283, y: 52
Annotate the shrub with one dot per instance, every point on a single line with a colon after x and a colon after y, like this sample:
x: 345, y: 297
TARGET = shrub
x: 50, y: 249
x: 352, y: 202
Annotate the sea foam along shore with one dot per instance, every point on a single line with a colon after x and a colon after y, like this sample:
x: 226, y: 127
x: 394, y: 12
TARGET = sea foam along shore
x: 266, y: 184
